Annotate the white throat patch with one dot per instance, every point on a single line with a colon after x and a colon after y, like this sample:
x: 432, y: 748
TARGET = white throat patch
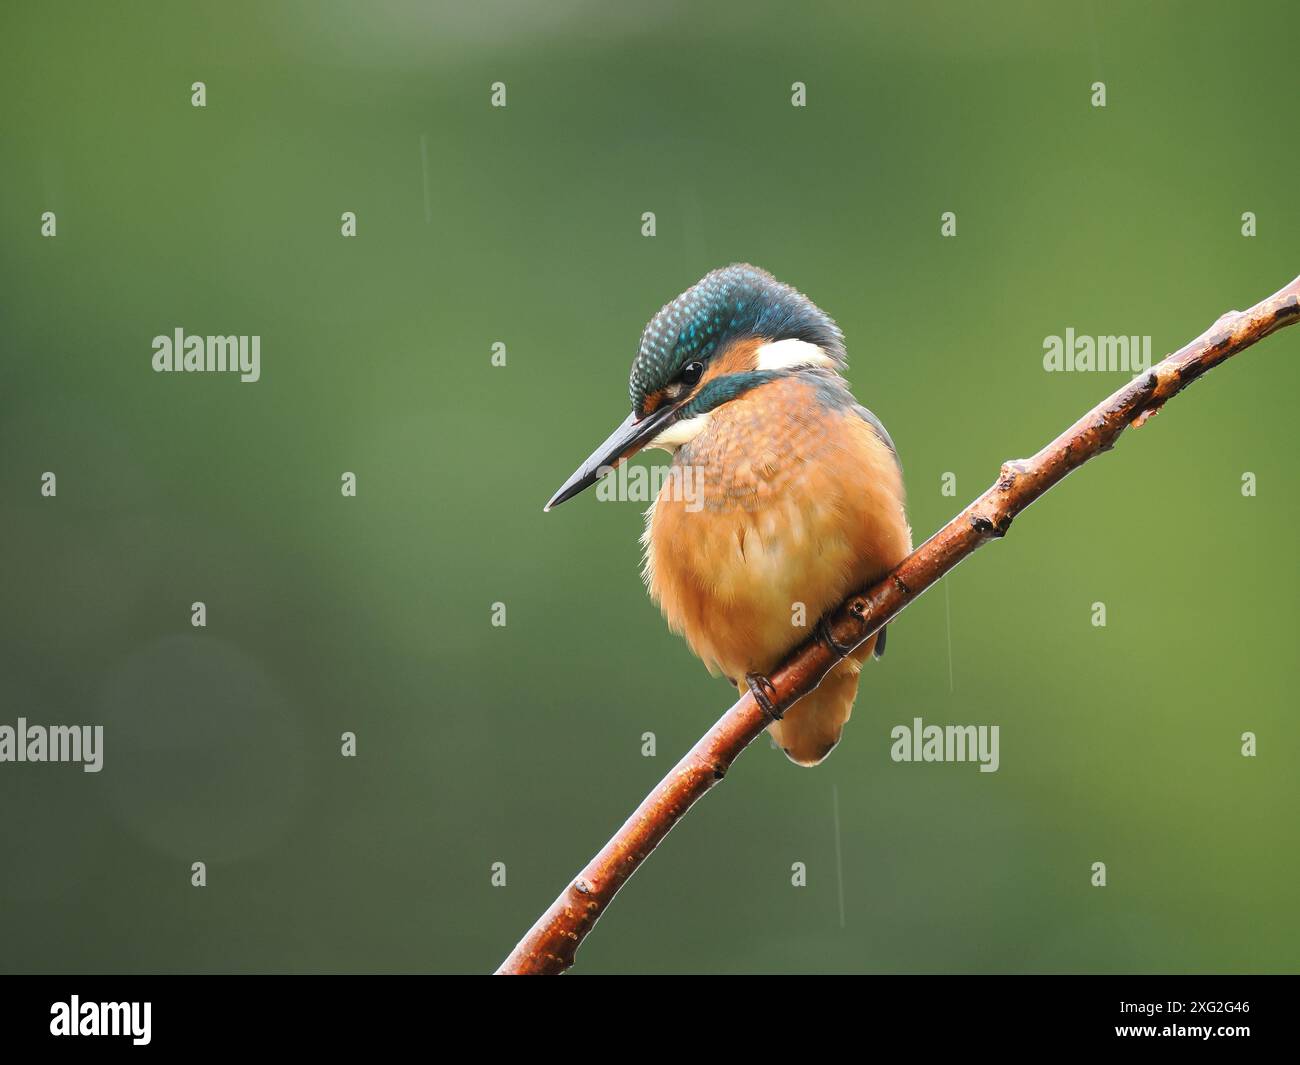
x: 682, y: 432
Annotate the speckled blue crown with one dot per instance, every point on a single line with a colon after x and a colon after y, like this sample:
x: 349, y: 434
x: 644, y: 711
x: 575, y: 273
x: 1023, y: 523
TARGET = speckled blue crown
x: 726, y: 305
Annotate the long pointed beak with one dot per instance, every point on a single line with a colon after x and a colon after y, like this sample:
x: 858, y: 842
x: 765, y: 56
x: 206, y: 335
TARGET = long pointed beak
x: 623, y: 443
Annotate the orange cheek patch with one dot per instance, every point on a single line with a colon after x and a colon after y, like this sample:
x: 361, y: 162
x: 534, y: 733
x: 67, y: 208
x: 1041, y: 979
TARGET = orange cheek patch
x: 653, y: 402
x: 739, y: 357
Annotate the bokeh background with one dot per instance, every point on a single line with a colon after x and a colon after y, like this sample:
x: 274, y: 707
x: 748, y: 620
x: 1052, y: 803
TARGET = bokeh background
x: 522, y: 225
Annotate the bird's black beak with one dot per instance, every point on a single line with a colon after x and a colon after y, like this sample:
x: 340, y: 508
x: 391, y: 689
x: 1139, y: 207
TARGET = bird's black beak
x: 623, y: 443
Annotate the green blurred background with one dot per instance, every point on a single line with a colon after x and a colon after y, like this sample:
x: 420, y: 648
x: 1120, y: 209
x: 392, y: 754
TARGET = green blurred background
x: 522, y: 744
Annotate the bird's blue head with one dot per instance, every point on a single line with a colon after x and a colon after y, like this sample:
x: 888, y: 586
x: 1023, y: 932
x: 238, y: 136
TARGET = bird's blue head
x: 734, y: 329
x: 735, y: 303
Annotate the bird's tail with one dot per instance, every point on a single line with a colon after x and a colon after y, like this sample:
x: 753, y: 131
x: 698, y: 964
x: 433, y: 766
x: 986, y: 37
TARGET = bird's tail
x: 811, y: 728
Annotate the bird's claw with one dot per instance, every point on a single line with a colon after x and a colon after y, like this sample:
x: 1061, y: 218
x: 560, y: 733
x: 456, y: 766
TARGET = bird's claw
x: 764, y: 693
x: 828, y: 639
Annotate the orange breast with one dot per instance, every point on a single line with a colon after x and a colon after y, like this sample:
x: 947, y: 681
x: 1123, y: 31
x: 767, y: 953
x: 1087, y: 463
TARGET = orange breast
x: 780, y: 508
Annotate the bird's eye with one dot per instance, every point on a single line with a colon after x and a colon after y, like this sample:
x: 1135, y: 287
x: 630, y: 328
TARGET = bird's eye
x: 692, y: 372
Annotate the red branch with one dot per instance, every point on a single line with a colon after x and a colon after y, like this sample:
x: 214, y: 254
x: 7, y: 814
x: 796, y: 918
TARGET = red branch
x: 550, y: 946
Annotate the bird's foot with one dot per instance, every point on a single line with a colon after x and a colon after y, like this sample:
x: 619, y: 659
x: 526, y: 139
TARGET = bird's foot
x: 764, y: 693
x: 828, y: 640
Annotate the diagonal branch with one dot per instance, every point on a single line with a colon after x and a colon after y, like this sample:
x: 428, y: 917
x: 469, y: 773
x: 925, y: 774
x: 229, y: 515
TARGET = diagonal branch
x: 550, y: 946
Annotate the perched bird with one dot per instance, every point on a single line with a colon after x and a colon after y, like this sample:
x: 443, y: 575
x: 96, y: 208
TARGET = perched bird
x: 795, y: 493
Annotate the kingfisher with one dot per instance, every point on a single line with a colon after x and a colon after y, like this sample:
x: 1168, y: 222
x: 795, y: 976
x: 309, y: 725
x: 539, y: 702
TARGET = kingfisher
x: 796, y: 496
